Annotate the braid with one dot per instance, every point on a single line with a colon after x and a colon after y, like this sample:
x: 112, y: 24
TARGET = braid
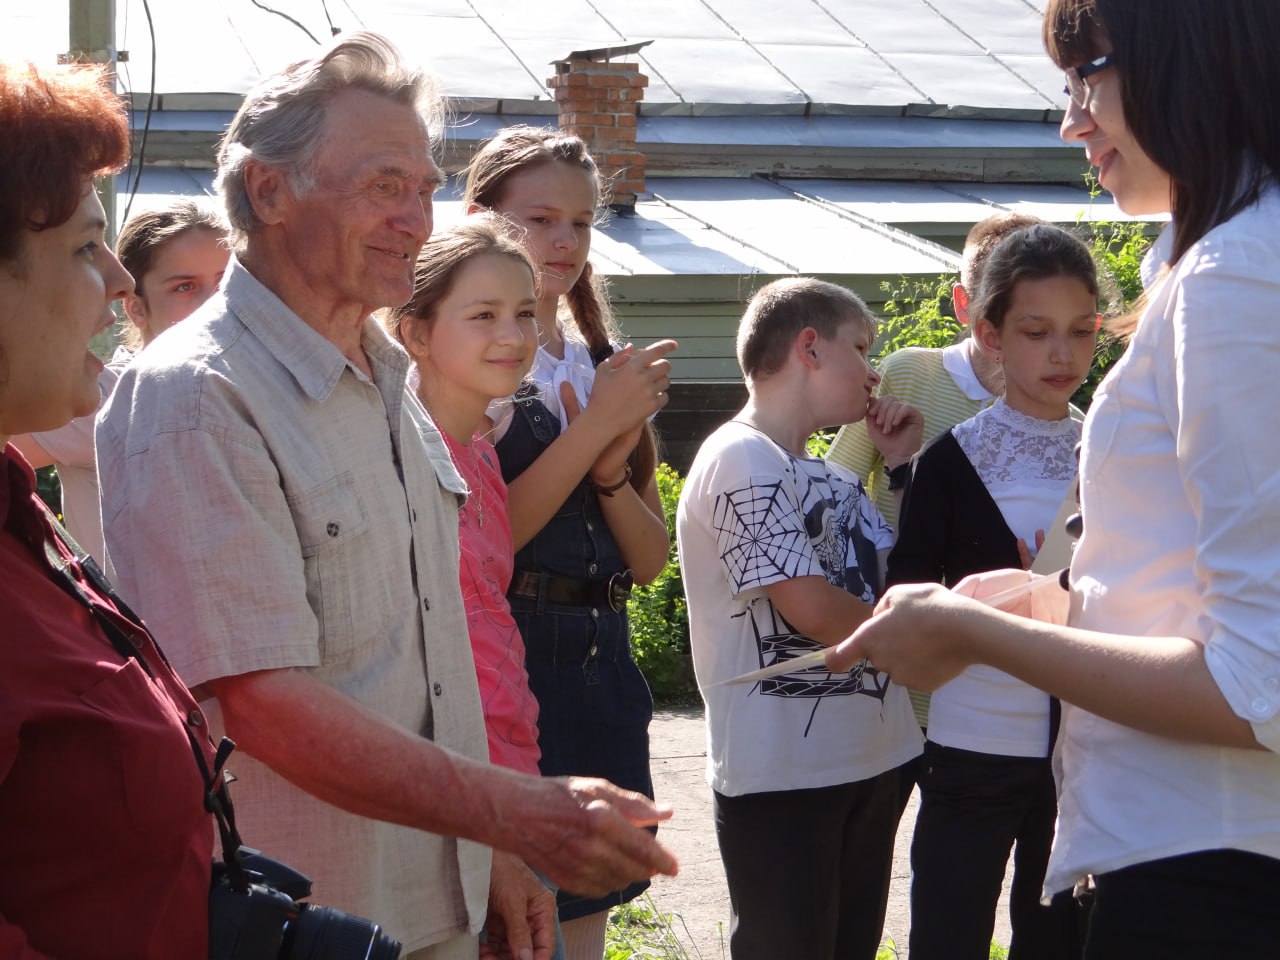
x: 588, y: 303
x: 589, y: 306
x: 644, y: 458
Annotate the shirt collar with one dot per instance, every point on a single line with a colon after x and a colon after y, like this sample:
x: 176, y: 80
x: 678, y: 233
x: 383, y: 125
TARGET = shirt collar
x: 17, y: 483
x: 314, y: 362
x: 957, y: 360
x: 1157, y: 257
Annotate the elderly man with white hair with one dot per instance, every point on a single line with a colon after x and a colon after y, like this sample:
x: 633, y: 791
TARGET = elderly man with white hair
x: 284, y: 514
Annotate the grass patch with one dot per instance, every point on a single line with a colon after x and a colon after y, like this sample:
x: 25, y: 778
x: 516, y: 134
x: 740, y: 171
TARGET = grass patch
x: 639, y: 931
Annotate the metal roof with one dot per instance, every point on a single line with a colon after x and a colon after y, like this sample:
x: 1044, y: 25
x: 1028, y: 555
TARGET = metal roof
x: 731, y: 227
x: 908, y: 57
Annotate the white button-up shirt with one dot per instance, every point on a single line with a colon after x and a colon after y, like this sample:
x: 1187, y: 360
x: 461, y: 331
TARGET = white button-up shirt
x: 1181, y: 500
x: 268, y: 506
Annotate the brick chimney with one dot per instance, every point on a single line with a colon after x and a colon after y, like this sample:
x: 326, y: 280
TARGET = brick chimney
x: 597, y: 99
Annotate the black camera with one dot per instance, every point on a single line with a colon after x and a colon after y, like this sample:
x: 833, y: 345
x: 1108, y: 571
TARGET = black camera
x: 254, y: 914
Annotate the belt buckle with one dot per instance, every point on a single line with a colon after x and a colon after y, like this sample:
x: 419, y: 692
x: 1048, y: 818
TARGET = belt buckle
x: 619, y: 590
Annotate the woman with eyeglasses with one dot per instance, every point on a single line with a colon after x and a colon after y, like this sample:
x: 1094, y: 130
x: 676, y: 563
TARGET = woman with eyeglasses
x: 1166, y: 651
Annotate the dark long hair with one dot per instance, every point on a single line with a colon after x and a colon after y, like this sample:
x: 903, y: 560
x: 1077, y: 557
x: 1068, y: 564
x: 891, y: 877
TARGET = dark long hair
x: 1197, y: 77
x: 1031, y: 253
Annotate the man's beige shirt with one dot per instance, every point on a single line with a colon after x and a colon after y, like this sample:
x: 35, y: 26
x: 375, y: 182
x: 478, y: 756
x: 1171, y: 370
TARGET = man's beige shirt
x: 266, y: 505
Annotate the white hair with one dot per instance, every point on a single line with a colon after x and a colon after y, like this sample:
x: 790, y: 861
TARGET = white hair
x: 281, y: 122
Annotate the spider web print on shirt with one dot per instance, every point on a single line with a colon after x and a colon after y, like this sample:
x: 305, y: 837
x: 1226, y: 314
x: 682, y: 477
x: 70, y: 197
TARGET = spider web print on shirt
x: 766, y: 535
x: 763, y: 538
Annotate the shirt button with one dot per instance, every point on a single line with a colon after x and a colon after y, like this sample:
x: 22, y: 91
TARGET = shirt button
x: 595, y: 611
x: 1272, y: 684
x: 594, y: 649
x: 590, y: 526
x: 137, y: 640
x: 437, y: 689
x: 592, y: 568
x: 426, y: 604
x: 333, y: 528
x: 1261, y: 707
x: 195, y: 718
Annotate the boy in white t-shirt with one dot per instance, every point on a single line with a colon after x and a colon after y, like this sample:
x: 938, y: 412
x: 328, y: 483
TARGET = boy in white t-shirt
x: 783, y: 553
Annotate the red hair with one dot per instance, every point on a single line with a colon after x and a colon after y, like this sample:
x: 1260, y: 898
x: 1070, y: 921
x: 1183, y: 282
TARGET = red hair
x: 58, y: 127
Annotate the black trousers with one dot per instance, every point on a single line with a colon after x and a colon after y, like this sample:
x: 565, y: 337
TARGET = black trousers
x: 809, y: 870
x: 975, y: 808
x: 1199, y: 906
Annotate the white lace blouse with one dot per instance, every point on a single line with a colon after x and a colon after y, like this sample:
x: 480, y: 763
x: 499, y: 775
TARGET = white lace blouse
x: 1026, y: 464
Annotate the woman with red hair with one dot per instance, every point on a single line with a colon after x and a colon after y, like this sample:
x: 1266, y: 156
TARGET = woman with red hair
x: 105, y: 843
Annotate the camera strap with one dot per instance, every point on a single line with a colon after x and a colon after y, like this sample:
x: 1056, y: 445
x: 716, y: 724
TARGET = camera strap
x: 217, y: 793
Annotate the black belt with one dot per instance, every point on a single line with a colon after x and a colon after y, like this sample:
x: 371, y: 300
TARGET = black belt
x: 573, y: 592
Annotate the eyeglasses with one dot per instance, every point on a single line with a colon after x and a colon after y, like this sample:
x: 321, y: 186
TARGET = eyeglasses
x: 1076, y: 87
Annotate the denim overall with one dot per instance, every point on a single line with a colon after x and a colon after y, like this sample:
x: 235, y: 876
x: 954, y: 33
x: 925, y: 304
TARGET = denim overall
x: 594, y: 705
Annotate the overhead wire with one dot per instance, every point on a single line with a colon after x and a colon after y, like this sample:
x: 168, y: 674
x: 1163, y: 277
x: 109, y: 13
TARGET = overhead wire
x: 280, y: 13
x: 333, y: 31
x: 140, y: 155
x: 146, y: 125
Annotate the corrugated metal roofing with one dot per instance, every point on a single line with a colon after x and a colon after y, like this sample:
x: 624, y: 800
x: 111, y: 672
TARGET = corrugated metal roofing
x: 962, y: 57
x: 719, y: 227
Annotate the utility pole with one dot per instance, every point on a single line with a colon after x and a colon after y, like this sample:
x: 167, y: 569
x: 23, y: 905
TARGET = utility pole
x: 93, y: 40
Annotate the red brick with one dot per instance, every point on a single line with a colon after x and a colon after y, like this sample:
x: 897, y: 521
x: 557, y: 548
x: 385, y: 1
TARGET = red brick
x: 625, y: 120
x: 582, y: 105
x: 624, y: 94
x: 598, y: 79
x: 579, y: 119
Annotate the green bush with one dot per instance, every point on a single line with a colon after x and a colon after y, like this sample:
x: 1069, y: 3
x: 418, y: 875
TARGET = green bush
x: 918, y: 313
x: 1118, y: 249
x: 49, y: 488
x: 658, y: 615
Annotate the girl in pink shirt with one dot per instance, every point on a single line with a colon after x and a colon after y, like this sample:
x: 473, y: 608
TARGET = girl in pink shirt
x: 470, y: 330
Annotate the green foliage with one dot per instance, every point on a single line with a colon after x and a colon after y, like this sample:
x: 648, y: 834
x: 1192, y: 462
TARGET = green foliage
x: 1118, y: 249
x: 637, y: 930
x: 917, y: 313
x: 657, y: 613
x: 889, y: 951
x: 49, y: 487
x: 818, y: 444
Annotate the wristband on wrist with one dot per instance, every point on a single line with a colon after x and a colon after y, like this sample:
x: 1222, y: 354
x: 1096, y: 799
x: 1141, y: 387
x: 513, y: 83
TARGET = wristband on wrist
x: 611, y: 489
x: 898, y: 476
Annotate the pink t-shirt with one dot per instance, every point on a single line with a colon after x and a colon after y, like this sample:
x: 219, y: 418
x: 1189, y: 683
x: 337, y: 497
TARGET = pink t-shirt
x: 510, y: 710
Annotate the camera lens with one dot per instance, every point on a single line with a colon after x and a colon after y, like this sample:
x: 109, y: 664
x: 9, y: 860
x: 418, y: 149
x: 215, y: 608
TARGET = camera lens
x: 323, y: 933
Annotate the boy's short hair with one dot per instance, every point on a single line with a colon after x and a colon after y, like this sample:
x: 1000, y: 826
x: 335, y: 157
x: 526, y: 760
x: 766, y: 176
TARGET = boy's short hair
x: 982, y: 239
x: 780, y: 310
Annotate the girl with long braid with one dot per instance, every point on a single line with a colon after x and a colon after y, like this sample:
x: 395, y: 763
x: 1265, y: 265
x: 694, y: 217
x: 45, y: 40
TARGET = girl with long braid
x: 578, y: 455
